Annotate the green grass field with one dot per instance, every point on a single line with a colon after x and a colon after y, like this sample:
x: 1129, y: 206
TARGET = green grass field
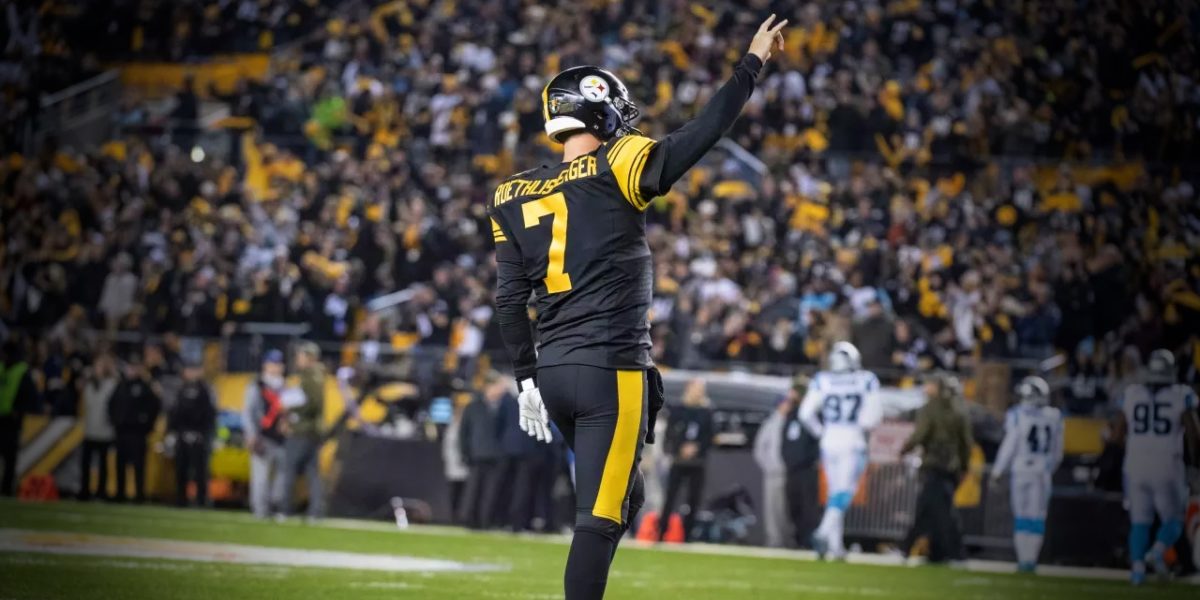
x: 523, y: 567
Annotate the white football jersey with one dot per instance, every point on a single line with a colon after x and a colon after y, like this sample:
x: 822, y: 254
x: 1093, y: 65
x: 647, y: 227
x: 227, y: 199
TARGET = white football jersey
x: 841, y: 407
x: 1033, y: 440
x: 1154, y: 416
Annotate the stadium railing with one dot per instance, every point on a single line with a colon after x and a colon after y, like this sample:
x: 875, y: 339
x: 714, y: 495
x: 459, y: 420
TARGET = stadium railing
x: 79, y: 116
x: 882, y: 513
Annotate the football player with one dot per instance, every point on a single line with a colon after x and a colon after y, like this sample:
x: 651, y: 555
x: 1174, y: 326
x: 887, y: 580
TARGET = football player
x: 573, y: 236
x: 840, y: 407
x: 1032, y: 449
x: 1156, y: 413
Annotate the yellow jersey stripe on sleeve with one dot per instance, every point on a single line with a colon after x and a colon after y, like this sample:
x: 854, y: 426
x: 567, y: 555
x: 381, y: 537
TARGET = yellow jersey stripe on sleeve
x: 639, y: 202
x: 497, y: 233
x: 627, y: 160
x: 615, y: 149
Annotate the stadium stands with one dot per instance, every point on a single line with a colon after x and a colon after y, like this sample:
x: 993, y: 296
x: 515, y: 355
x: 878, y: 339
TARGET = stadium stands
x: 938, y: 181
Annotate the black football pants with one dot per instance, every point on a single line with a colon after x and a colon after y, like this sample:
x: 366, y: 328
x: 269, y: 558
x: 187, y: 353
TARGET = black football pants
x: 602, y: 414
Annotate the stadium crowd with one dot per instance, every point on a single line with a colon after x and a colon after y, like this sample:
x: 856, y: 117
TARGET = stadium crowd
x: 935, y: 181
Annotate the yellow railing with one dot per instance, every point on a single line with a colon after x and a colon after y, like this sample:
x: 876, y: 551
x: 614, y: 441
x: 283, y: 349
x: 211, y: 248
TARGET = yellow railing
x: 221, y: 72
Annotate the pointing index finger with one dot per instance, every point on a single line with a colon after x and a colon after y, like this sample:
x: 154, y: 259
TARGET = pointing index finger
x: 767, y: 24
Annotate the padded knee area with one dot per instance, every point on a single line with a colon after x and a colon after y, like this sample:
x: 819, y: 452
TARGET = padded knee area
x: 599, y: 525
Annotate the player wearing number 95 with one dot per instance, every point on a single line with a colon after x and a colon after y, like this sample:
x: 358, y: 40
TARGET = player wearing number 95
x: 1156, y: 413
x: 1032, y: 450
x: 573, y: 236
x: 841, y: 405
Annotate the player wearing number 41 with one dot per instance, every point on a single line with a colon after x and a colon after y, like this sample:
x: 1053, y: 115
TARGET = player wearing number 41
x: 1032, y: 450
x: 573, y: 236
x: 841, y: 405
x: 1157, y: 411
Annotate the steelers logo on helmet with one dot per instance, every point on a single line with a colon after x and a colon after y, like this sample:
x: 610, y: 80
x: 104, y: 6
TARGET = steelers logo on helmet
x: 587, y: 98
x: 594, y: 88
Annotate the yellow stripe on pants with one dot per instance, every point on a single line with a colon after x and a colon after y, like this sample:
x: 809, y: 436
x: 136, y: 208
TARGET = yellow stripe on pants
x: 618, y: 465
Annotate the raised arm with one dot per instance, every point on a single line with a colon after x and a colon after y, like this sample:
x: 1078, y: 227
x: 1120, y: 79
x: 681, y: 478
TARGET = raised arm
x: 656, y: 166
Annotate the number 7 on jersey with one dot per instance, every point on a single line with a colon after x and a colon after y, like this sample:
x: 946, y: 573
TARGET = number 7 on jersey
x: 555, y: 205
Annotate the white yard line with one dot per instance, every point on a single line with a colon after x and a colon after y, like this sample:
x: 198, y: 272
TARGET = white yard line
x: 50, y: 542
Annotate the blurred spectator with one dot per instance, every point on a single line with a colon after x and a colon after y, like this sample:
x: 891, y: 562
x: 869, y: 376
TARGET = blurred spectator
x: 119, y: 292
x: 453, y: 462
x: 18, y: 396
x: 60, y: 391
x: 690, y: 432
x: 192, y: 423
x: 1085, y: 392
x: 99, y: 386
x: 480, y: 442
x: 530, y: 470
x: 874, y: 333
x: 305, y: 433
x: 185, y: 114
x: 768, y: 454
x: 801, y: 456
x: 943, y: 433
x: 133, y: 410
x: 263, y: 423
x: 1110, y: 466
x: 912, y: 352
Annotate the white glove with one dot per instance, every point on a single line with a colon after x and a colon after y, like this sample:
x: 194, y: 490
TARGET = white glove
x: 531, y: 413
x: 345, y: 373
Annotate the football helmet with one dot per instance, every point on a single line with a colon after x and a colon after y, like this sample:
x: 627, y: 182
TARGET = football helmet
x: 1034, y: 391
x: 844, y: 357
x: 587, y: 99
x: 1161, y: 365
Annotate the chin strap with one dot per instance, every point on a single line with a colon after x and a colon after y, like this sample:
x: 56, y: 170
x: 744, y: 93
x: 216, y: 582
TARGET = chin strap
x: 625, y: 130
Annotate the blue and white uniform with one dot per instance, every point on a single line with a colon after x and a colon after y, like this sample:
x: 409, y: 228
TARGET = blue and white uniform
x: 840, y: 407
x: 1154, y: 467
x: 1031, y: 451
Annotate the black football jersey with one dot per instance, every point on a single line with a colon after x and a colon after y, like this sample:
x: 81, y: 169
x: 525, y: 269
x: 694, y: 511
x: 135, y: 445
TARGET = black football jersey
x: 573, y: 237
x: 575, y: 234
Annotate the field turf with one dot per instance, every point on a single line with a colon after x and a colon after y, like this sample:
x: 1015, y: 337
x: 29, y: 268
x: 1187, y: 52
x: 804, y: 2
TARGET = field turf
x: 500, y: 565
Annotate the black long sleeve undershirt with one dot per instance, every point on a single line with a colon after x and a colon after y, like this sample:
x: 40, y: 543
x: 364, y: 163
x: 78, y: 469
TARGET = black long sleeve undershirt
x: 512, y: 300
x: 673, y: 155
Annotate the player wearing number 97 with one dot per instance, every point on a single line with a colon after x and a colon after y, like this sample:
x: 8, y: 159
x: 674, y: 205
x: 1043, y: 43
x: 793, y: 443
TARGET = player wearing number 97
x: 1156, y: 413
x: 573, y: 236
x: 841, y: 405
x: 1032, y: 450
